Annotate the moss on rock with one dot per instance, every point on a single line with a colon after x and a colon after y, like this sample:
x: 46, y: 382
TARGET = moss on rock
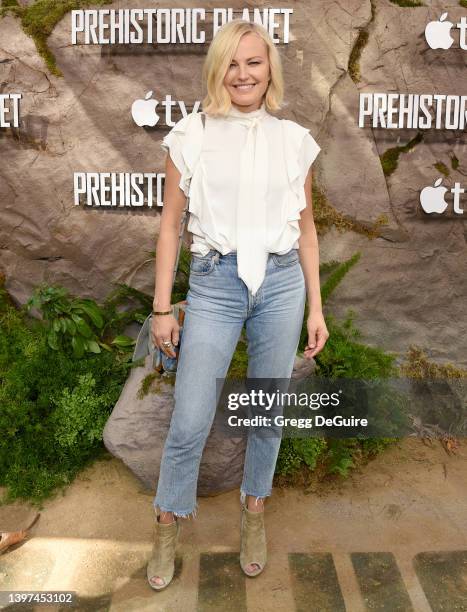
x: 326, y: 216
x: 357, y: 49
x: 417, y: 365
x: 441, y: 167
x: 390, y: 158
x: 39, y: 19
x: 407, y: 3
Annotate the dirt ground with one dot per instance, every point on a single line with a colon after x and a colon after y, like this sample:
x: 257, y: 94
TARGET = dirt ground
x: 381, y: 521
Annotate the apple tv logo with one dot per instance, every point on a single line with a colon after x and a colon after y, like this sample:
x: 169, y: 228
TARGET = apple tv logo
x: 432, y: 198
x: 438, y: 33
x: 144, y: 110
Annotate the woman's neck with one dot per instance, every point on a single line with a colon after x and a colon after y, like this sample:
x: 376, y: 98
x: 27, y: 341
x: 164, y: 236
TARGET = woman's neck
x: 236, y: 112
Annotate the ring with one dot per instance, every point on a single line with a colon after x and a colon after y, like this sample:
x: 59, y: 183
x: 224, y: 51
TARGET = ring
x: 166, y: 343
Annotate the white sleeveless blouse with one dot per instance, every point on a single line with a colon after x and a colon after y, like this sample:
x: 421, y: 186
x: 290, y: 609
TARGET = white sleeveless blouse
x: 245, y: 171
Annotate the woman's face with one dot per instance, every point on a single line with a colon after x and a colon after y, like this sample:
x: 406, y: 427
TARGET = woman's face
x: 250, y: 67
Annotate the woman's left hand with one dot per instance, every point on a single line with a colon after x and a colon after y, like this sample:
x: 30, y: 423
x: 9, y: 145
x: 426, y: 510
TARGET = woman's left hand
x: 317, y: 334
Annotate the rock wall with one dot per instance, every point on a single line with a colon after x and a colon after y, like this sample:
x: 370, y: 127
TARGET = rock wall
x: 409, y: 286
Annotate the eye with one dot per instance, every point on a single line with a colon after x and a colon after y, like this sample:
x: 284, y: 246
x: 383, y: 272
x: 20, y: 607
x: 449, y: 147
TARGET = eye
x: 255, y: 62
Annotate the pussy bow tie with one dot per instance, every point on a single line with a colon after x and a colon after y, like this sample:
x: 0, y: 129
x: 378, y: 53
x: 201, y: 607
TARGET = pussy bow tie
x: 252, y: 254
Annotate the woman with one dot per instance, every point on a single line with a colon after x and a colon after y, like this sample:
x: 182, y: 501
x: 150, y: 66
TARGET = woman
x: 254, y: 261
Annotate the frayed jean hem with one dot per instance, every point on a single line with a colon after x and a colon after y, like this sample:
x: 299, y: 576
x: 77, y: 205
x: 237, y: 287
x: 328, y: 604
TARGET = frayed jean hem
x: 243, y: 495
x: 187, y: 514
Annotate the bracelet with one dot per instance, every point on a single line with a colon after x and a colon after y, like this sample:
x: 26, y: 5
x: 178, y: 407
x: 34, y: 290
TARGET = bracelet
x: 154, y: 312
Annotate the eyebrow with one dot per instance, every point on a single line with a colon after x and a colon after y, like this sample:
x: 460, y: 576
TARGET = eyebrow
x: 250, y: 58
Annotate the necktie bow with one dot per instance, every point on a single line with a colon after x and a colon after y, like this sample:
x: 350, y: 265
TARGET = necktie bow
x: 252, y: 252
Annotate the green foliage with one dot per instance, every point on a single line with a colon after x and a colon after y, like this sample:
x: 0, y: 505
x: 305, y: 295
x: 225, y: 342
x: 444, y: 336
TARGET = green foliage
x: 75, y: 324
x: 337, y: 275
x: 340, y: 456
x: 72, y: 321
x: 360, y: 43
x: 8, y: 4
x: 344, y: 454
x: 297, y: 451
x: 56, y: 399
x: 239, y: 365
x: 80, y: 415
x: 336, y: 272
x: 343, y: 356
x: 326, y: 216
x: 328, y: 266
x: 39, y: 19
x: 355, y: 54
x: 417, y: 365
x: 390, y: 158
x: 294, y: 452
x: 407, y: 3
x: 54, y: 406
x: 289, y: 459
x: 441, y: 167
x: 454, y: 159
x: 181, y: 283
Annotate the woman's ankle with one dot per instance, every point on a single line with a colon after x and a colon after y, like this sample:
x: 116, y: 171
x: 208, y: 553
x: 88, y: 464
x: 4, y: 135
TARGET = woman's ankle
x: 166, y: 518
x: 254, y: 505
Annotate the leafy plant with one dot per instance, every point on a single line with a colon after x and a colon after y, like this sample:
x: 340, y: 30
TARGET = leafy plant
x: 343, y: 356
x: 340, y: 456
x: 73, y: 321
x: 80, y: 415
x: 337, y: 275
x: 53, y: 406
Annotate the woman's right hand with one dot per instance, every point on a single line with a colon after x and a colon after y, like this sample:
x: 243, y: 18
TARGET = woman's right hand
x: 163, y: 328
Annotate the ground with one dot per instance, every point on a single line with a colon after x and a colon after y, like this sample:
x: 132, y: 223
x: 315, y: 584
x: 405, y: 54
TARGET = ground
x: 391, y: 537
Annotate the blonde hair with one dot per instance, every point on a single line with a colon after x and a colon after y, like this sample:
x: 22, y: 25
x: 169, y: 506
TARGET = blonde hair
x: 218, y: 59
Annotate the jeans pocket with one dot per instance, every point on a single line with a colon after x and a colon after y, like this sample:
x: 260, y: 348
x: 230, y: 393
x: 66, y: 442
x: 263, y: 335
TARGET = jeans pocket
x: 202, y: 265
x: 287, y: 259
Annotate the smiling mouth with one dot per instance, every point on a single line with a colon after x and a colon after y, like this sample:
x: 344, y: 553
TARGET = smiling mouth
x: 246, y: 86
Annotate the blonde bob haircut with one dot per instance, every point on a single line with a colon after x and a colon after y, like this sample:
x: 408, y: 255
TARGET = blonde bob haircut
x: 218, y: 58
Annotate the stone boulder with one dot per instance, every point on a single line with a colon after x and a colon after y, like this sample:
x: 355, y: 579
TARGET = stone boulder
x: 137, y: 428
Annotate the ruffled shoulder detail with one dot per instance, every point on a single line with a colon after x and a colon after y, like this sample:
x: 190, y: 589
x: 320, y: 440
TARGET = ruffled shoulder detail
x: 184, y: 142
x: 301, y: 150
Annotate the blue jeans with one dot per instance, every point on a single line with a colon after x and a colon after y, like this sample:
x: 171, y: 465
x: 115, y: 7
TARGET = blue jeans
x: 218, y: 304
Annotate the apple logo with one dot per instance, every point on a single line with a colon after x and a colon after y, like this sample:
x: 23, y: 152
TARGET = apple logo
x: 438, y: 34
x: 432, y: 198
x: 144, y: 111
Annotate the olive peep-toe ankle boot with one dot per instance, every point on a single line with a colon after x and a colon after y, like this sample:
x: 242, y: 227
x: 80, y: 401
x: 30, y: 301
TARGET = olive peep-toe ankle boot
x: 252, y: 541
x: 162, y: 562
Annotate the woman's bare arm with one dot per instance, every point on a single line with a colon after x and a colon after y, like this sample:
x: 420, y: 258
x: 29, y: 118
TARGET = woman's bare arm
x: 309, y: 259
x: 309, y: 249
x: 169, y: 231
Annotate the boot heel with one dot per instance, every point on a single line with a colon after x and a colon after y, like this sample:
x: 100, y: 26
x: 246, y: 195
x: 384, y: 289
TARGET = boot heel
x: 253, y: 541
x: 162, y: 562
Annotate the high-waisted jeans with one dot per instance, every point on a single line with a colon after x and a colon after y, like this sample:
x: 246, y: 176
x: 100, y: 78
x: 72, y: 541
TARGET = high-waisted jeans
x: 218, y: 305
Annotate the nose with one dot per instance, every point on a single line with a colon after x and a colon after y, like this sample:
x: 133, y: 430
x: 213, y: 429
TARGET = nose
x: 243, y: 72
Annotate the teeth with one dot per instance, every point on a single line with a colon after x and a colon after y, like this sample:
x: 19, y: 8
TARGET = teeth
x: 244, y: 86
